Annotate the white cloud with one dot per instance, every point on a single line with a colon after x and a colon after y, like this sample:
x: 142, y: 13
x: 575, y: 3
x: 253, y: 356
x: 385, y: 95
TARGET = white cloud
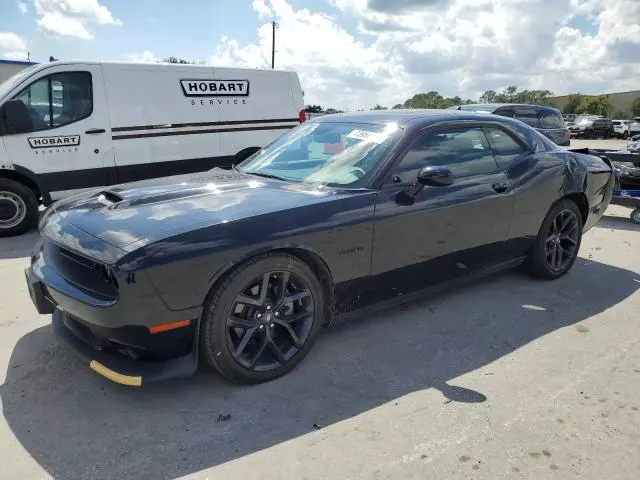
x: 15, y: 55
x: 144, y: 57
x: 335, y: 68
x: 71, y: 18
x: 263, y: 8
x: 11, y: 41
x: 12, y: 46
x: 459, y: 47
x: 22, y: 7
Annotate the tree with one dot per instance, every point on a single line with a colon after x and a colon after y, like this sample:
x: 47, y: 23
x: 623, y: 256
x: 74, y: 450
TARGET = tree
x: 622, y: 115
x: 313, y: 109
x: 488, y: 97
x: 512, y: 95
x: 173, y: 59
x: 379, y: 107
x: 594, y: 105
x: 573, y: 101
x: 433, y: 99
x: 635, y: 108
x: 398, y: 106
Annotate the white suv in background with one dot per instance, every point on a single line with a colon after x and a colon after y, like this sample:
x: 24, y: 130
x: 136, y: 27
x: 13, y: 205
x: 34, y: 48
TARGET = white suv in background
x: 621, y: 128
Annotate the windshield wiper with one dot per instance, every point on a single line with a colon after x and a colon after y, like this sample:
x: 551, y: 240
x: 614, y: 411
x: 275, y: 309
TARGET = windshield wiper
x: 266, y: 175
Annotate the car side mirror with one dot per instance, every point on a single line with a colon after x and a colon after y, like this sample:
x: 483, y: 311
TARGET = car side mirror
x: 435, y: 177
x: 427, y: 177
x: 16, y: 117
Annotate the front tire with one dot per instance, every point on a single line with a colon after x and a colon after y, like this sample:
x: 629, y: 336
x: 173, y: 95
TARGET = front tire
x: 556, y: 247
x: 18, y: 208
x: 262, y: 319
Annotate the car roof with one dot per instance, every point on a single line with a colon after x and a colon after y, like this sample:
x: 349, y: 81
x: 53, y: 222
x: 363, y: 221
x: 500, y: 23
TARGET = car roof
x: 402, y: 117
x: 491, y: 107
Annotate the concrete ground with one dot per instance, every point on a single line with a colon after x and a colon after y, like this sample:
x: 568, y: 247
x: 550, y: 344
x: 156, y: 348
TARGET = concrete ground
x: 612, y: 143
x: 508, y: 378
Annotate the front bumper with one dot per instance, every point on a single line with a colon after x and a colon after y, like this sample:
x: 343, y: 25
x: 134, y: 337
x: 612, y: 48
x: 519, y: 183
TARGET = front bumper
x: 115, y: 337
x: 119, y: 368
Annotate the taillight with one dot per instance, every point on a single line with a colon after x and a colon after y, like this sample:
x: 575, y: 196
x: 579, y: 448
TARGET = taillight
x: 302, y: 116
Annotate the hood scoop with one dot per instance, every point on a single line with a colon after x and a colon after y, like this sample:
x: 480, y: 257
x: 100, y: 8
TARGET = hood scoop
x: 107, y: 197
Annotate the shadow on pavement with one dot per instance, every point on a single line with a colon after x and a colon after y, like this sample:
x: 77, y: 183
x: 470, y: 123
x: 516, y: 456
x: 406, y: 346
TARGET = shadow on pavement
x: 18, y: 247
x: 77, y: 425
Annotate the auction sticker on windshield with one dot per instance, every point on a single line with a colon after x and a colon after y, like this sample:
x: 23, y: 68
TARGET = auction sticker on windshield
x: 375, y: 137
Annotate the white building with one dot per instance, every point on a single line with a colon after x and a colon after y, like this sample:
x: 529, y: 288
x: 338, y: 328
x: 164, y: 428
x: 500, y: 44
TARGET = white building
x: 8, y: 68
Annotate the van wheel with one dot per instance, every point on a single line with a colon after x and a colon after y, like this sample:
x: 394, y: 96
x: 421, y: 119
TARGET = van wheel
x: 18, y: 208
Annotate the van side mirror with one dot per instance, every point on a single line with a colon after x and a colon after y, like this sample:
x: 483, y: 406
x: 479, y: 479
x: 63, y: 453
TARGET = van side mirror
x: 16, y: 118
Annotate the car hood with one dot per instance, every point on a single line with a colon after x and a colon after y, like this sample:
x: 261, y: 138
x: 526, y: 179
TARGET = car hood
x: 148, y: 211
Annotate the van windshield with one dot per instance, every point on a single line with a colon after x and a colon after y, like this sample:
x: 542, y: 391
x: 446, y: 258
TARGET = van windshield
x: 332, y: 153
x: 11, y: 82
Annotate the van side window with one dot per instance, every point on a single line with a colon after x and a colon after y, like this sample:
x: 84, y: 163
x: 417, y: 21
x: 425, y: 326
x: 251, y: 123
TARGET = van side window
x: 551, y: 119
x: 464, y: 150
x: 36, y: 99
x: 505, y: 148
x: 58, y: 99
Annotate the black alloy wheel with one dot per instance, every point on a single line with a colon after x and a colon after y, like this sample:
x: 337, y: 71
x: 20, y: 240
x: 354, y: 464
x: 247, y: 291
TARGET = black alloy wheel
x: 270, y: 320
x: 561, y: 245
x: 556, y: 247
x: 262, y: 318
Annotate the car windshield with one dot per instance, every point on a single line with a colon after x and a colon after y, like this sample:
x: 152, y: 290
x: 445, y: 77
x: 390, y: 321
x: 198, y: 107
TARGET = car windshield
x: 332, y: 153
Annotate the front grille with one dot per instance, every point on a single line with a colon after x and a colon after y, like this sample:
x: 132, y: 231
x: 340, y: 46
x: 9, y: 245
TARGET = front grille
x: 94, y: 278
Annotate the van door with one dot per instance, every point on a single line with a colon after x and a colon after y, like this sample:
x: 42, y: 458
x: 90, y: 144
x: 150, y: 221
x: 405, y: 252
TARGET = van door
x: 69, y: 147
x: 255, y: 115
x: 165, y: 121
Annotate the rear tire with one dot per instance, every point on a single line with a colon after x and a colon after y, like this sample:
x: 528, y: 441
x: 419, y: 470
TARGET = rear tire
x: 556, y: 247
x: 18, y: 208
x: 635, y: 215
x: 252, y: 337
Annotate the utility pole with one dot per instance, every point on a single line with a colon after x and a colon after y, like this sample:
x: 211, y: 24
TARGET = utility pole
x: 273, y: 45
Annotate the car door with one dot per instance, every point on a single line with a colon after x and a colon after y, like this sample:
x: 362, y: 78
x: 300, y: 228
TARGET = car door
x: 445, y: 231
x: 68, y: 148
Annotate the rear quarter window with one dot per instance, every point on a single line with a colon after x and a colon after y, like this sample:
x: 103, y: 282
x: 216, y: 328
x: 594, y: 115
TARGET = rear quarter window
x: 530, y: 117
x: 551, y: 119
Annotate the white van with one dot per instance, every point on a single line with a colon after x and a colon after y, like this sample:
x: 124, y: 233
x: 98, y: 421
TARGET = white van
x: 69, y: 126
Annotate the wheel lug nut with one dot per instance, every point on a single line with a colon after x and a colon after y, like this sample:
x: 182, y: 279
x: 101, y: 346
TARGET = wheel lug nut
x: 261, y: 327
x: 259, y: 315
x: 268, y: 307
x: 272, y: 325
x: 277, y: 314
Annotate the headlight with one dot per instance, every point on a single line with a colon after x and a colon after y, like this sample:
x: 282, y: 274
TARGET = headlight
x: 624, y: 164
x: 45, y: 216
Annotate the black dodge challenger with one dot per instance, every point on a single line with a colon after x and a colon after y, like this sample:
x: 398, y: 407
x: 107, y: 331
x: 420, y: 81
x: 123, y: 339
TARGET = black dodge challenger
x: 243, y: 267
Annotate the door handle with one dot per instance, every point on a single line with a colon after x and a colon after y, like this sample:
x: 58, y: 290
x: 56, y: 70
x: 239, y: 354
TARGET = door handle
x: 500, y: 187
x: 93, y: 131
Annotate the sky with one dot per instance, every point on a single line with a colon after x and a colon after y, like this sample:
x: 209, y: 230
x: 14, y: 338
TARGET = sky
x: 352, y: 54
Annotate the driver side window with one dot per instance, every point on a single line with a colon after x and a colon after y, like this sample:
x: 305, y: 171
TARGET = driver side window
x: 58, y: 99
x: 464, y: 150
